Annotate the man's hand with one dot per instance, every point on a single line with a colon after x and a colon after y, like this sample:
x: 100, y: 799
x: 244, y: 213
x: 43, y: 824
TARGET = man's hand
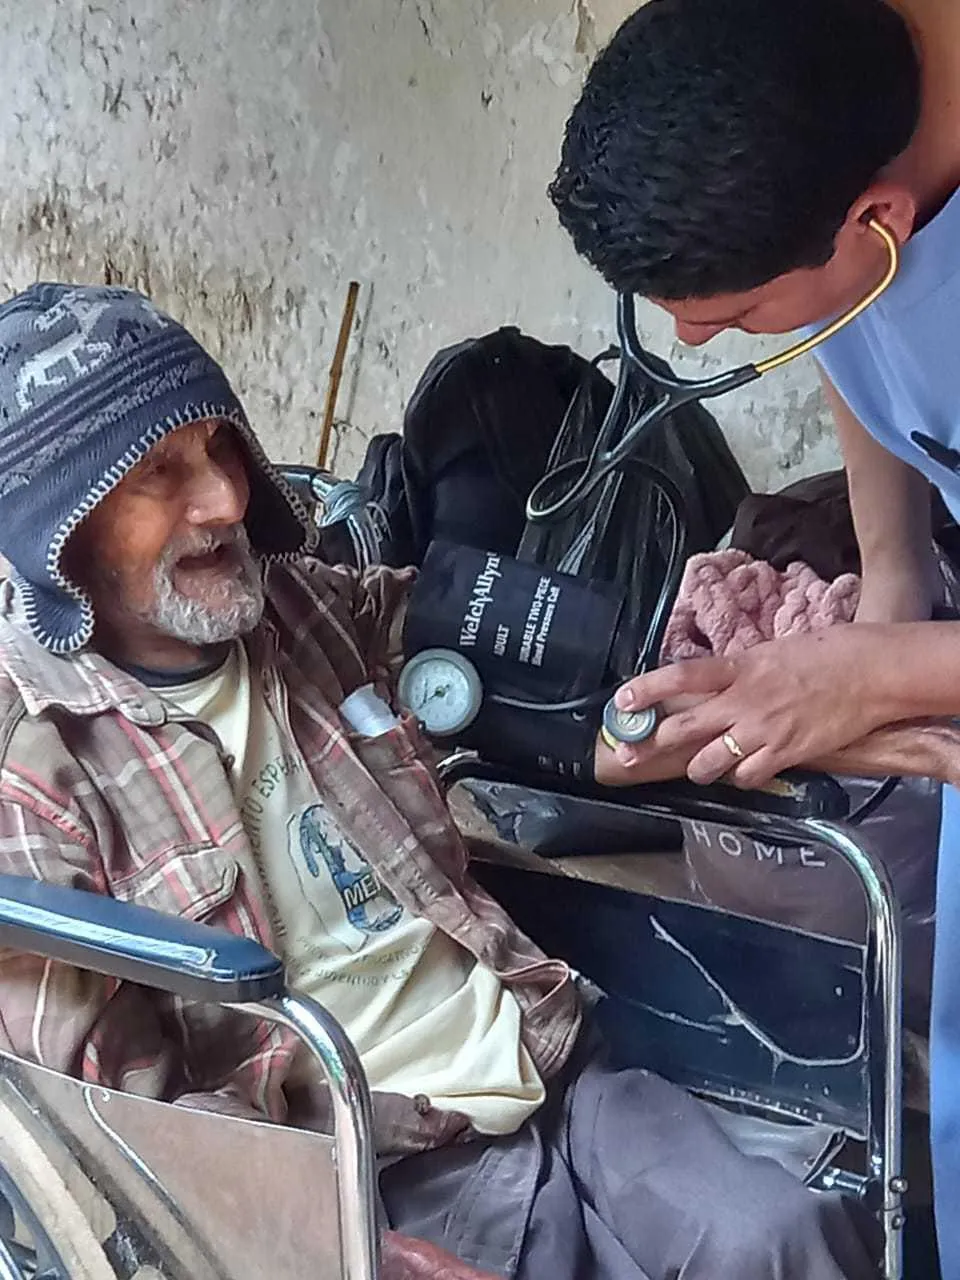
x: 785, y: 703
x: 407, y: 1259
x: 915, y: 748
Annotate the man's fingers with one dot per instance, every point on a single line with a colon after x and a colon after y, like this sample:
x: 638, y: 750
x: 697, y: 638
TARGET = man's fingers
x: 750, y: 771
x: 630, y: 766
x: 667, y: 752
x: 695, y: 676
x: 691, y: 730
x: 756, y: 771
x: 713, y: 762
x: 407, y: 1259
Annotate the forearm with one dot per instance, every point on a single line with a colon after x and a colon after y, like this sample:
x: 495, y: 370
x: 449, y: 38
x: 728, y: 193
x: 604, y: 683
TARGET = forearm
x: 917, y: 749
x: 658, y: 766
x: 891, y: 509
x: 889, y: 501
x: 917, y: 669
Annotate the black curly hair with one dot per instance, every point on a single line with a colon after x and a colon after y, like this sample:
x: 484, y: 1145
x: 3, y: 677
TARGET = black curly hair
x: 720, y: 143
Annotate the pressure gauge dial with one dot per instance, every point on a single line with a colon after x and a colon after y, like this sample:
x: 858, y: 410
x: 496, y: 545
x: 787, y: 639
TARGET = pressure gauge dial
x: 442, y: 689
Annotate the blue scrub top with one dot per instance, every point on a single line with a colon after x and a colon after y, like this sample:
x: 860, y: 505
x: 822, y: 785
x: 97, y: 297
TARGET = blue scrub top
x: 898, y: 365
x: 898, y: 368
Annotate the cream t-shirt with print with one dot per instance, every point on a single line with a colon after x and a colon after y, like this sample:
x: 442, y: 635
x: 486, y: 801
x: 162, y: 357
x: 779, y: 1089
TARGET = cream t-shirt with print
x: 424, y: 1015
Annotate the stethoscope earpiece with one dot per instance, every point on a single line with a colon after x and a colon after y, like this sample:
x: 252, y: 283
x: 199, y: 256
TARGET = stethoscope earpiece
x: 612, y: 446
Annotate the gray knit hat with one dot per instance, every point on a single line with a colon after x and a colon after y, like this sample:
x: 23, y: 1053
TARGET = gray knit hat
x: 90, y: 380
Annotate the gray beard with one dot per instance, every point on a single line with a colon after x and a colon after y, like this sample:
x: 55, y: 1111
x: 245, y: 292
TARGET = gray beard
x: 202, y: 622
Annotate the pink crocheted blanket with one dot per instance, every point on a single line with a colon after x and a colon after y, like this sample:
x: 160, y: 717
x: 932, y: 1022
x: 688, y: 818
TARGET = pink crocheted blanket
x: 728, y: 601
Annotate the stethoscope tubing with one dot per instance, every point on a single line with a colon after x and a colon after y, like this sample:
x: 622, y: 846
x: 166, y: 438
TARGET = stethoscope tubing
x: 544, y: 505
x: 607, y: 456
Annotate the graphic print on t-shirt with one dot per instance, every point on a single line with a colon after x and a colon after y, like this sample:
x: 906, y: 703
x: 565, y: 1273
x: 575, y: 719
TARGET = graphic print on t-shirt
x: 424, y: 1015
x: 321, y: 855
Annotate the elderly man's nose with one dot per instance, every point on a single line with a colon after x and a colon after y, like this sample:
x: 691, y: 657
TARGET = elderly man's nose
x: 218, y: 496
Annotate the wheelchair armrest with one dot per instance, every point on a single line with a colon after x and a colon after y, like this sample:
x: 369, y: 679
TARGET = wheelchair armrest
x: 793, y: 796
x: 136, y: 944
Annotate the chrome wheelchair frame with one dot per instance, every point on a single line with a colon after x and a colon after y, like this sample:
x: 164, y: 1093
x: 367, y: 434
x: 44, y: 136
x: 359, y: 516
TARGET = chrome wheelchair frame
x: 808, y: 810
x: 200, y: 963
x: 812, y: 813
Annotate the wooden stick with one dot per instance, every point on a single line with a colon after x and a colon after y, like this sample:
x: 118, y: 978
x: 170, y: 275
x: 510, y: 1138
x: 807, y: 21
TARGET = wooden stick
x: 336, y: 373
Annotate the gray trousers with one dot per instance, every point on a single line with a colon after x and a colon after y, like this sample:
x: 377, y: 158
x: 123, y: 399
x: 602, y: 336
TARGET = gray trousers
x: 623, y: 1176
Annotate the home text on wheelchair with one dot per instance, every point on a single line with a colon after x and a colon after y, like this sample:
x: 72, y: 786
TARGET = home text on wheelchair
x: 735, y: 844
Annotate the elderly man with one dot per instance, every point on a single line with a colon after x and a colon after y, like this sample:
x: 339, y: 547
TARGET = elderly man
x: 173, y: 667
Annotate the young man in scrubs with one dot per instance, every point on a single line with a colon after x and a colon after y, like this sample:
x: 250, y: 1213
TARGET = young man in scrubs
x: 725, y: 160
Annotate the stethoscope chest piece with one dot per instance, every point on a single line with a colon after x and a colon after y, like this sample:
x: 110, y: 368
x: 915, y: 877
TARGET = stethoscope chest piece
x: 627, y: 726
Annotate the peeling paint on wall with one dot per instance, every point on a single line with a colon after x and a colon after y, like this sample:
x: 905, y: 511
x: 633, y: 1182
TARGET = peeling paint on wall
x: 242, y: 160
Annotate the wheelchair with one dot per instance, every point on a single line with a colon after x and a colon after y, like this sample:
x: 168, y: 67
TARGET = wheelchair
x: 794, y: 1039
x: 797, y: 1037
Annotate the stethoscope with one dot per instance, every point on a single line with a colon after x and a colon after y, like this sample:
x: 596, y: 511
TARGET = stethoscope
x: 581, y: 476
x: 564, y: 487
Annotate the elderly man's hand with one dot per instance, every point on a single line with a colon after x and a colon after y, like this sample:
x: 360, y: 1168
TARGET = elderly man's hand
x: 407, y: 1259
x: 916, y: 748
x: 782, y: 704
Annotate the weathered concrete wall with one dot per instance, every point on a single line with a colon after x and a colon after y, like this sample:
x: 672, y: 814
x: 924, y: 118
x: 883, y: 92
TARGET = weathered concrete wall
x: 242, y: 160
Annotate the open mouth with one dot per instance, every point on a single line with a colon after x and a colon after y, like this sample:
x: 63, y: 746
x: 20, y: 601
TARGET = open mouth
x: 220, y: 558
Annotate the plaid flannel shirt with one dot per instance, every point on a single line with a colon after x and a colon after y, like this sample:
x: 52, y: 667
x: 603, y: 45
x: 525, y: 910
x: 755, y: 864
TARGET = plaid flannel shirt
x: 103, y: 788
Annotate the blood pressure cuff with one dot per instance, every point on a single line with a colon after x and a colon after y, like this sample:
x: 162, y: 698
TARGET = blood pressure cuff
x: 533, y: 634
